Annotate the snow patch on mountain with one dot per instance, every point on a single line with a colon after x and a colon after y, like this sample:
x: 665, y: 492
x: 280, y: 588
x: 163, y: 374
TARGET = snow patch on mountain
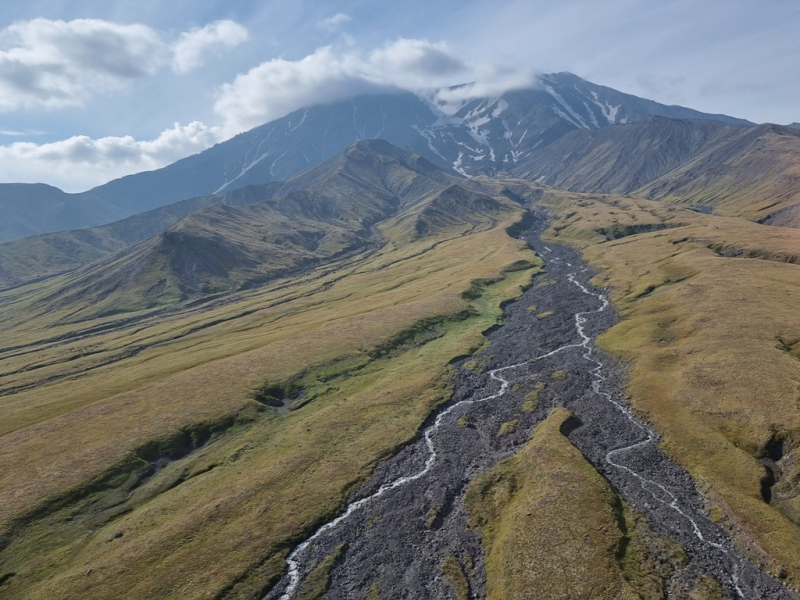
x: 502, y: 105
x: 609, y: 112
x: 567, y: 107
x: 457, y: 165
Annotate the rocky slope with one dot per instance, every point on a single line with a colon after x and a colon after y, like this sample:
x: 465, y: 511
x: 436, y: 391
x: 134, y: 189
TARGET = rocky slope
x: 733, y: 170
x: 623, y: 159
x: 755, y: 175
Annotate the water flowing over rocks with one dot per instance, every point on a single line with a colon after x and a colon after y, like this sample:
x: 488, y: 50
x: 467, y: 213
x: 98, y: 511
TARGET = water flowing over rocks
x: 401, y: 525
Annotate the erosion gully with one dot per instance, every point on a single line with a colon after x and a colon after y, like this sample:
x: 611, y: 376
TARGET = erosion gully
x: 400, y: 526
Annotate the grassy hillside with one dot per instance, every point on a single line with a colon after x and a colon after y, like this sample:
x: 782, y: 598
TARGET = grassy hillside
x: 537, y: 546
x: 47, y: 254
x: 182, y: 453
x: 252, y: 235
x: 371, y: 170
x: 710, y: 328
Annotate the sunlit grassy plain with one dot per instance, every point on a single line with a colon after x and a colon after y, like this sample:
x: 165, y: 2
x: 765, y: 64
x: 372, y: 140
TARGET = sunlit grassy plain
x: 710, y: 328
x: 368, y: 340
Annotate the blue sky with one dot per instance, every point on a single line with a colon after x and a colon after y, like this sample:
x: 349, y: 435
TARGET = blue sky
x: 92, y: 90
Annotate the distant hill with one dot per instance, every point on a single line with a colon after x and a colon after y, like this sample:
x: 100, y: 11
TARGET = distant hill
x: 624, y: 158
x: 755, y: 175
x: 752, y: 172
x: 479, y: 136
x: 28, y: 209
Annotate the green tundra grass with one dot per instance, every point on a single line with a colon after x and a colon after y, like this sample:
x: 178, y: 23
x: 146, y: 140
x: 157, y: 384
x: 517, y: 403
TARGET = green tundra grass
x: 143, y: 459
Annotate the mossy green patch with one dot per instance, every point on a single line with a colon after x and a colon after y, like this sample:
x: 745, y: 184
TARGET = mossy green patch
x: 454, y: 573
x: 480, y: 364
x: 507, y: 428
x: 707, y: 588
x: 316, y: 582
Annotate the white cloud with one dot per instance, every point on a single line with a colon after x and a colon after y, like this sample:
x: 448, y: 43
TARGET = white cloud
x: 416, y: 64
x: 489, y: 81
x: 335, y: 22
x: 53, y: 64
x: 192, y: 45
x: 14, y: 133
x: 58, y: 63
x: 268, y: 91
x: 278, y: 86
x: 80, y: 162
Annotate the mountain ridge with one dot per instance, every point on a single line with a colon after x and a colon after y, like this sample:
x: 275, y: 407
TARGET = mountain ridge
x: 621, y: 159
x: 481, y: 136
x: 741, y: 171
x: 369, y: 194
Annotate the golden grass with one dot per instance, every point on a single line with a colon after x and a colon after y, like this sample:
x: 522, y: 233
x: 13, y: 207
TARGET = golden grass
x: 222, y: 519
x: 705, y: 330
x: 534, y: 393
x: 374, y: 593
x: 536, y: 547
x: 508, y: 428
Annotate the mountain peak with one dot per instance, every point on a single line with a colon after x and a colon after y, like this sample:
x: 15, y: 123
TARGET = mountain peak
x: 483, y: 135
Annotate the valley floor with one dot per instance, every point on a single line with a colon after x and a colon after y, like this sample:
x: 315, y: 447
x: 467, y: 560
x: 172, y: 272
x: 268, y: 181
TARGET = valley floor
x: 188, y: 452
x: 474, y: 509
